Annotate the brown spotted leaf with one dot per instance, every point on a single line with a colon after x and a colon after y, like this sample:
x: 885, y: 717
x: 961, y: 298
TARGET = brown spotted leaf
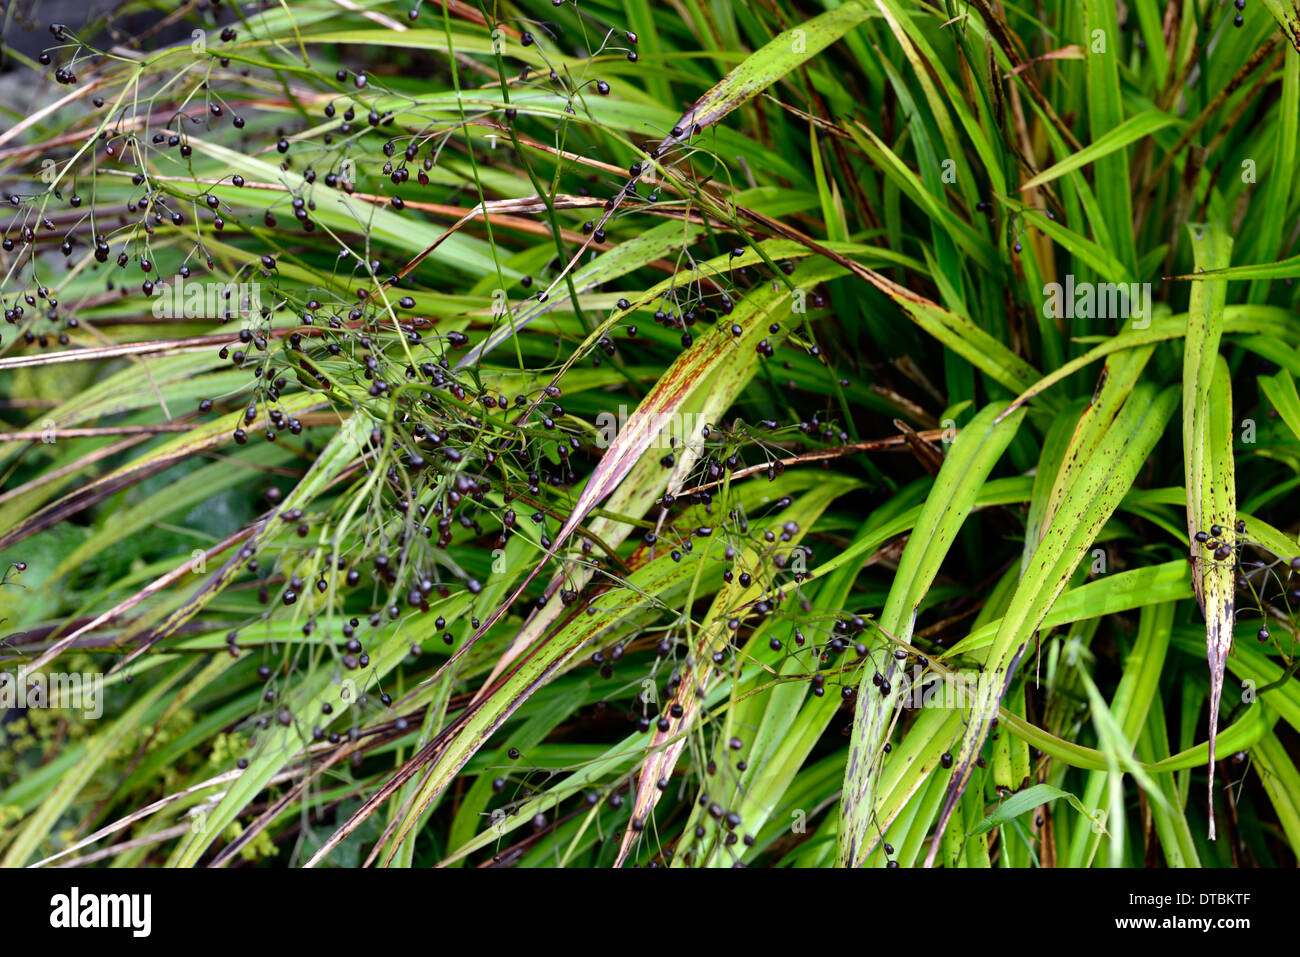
x: 1208, y: 462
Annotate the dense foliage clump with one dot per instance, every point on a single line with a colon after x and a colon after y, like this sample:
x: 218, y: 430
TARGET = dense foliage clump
x: 599, y: 433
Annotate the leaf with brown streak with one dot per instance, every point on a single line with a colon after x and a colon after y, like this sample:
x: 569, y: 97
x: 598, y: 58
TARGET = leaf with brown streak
x: 1208, y: 463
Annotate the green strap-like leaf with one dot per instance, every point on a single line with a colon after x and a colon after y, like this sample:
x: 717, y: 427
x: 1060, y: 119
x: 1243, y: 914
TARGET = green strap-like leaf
x: 1208, y: 463
x: 1093, y: 496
